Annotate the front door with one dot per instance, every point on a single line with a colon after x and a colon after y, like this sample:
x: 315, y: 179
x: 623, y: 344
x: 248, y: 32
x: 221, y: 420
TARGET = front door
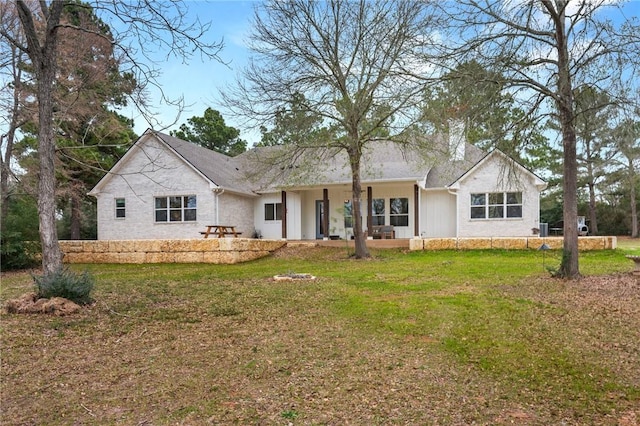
x: 320, y: 232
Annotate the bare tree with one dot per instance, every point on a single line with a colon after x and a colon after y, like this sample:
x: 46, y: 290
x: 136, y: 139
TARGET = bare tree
x: 138, y: 30
x: 627, y: 140
x: 352, y: 63
x: 594, y: 112
x: 546, y: 49
x: 11, y: 59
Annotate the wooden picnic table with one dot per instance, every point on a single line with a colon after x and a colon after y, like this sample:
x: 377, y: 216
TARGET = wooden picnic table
x: 221, y: 231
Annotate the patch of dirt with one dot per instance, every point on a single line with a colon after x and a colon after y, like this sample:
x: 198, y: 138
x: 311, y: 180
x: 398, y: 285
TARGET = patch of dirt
x: 597, y: 316
x: 628, y: 284
x: 619, y: 293
x: 629, y: 419
x: 309, y: 251
x: 29, y: 303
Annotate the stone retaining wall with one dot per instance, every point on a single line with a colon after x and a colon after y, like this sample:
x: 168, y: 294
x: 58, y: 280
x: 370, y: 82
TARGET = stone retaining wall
x: 210, y: 250
x: 523, y: 243
x: 236, y: 250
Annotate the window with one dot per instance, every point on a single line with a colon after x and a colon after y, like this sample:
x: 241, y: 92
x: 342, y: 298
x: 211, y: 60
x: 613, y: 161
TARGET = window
x: 348, y: 214
x: 478, y: 206
x: 180, y: 208
x: 514, y: 204
x: 496, y: 205
x: 120, y: 208
x: 377, y: 211
x: 399, y: 213
x: 272, y: 211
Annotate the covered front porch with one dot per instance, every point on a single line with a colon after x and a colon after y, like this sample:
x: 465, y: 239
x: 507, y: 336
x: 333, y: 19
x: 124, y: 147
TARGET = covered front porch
x: 388, y: 212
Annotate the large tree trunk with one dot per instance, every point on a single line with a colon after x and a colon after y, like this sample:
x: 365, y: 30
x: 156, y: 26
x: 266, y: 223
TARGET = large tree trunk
x: 569, y: 266
x: 51, y: 254
x: 356, y: 198
x: 42, y: 52
x: 632, y: 196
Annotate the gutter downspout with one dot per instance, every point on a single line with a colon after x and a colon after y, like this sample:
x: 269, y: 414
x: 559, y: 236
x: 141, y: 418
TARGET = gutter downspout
x: 218, y: 193
x: 418, y: 208
x: 421, y: 185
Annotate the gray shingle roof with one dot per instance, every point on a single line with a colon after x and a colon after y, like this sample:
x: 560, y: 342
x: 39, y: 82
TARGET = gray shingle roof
x: 220, y: 169
x: 446, y: 172
x: 382, y: 161
x: 270, y: 168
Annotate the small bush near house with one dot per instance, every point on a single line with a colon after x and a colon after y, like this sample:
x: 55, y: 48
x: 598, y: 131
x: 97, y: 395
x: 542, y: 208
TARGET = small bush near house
x: 19, y: 237
x: 67, y: 284
x: 16, y: 253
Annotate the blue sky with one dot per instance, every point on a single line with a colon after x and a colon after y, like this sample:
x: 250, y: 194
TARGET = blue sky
x: 199, y: 81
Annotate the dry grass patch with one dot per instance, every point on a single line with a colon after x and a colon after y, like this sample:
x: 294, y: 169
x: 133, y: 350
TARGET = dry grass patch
x: 597, y: 316
x: 402, y: 339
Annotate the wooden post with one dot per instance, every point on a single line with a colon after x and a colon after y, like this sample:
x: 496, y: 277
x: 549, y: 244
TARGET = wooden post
x: 416, y: 211
x: 325, y: 213
x: 369, y: 211
x: 284, y: 214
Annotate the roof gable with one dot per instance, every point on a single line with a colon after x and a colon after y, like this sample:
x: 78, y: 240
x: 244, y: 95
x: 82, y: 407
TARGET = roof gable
x: 498, y: 155
x: 218, y: 169
x: 120, y: 164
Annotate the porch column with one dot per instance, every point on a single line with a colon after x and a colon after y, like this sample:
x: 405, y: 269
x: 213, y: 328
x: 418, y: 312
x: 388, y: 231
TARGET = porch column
x: 369, y: 212
x: 284, y: 214
x: 325, y: 215
x: 416, y: 211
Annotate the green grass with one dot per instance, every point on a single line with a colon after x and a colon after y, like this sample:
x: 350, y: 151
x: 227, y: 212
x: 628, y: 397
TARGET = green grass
x: 482, y: 337
x: 477, y: 323
x: 629, y: 245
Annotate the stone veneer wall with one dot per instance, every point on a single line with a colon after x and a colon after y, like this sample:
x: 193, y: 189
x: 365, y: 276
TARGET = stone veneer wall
x: 508, y: 243
x: 210, y: 250
x: 236, y: 250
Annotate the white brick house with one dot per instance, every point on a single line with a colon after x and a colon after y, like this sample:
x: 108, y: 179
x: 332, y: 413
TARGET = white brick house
x: 165, y: 187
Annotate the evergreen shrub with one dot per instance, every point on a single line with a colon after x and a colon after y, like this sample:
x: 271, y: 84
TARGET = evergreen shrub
x: 67, y: 284
x: 15, y: 253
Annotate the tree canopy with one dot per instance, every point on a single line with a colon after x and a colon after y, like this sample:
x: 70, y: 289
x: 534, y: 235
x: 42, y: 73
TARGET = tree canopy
x: 477, y: 97
x: 211, y: 131
x: 90, y: 135
x: 292, y: 124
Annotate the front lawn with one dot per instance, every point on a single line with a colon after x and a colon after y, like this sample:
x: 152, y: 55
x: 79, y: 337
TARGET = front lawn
x: 482, y: 337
